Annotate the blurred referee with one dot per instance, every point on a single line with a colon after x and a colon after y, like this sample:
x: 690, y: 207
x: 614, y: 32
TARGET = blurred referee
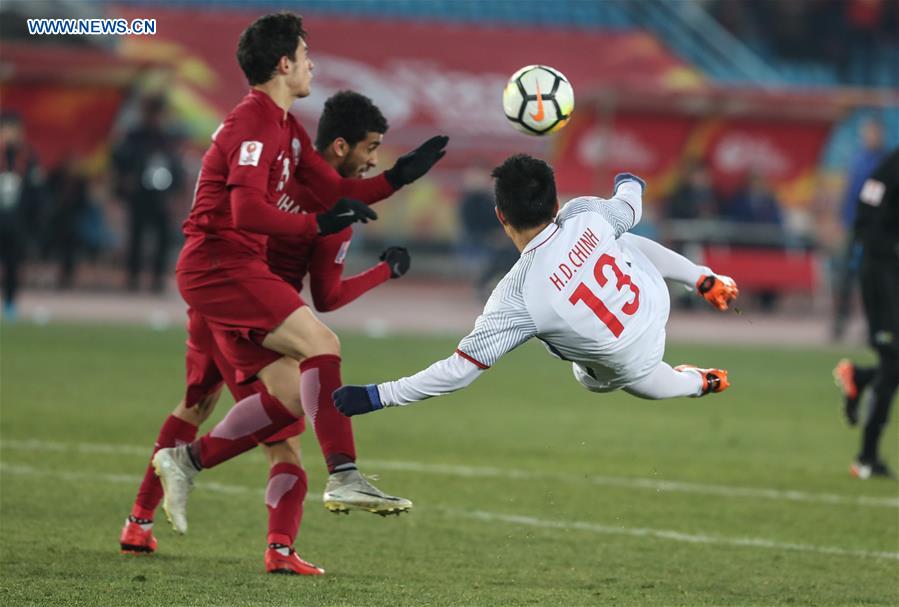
x: 877, y: 230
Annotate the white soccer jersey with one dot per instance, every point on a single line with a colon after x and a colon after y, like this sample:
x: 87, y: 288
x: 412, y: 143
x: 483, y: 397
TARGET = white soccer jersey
x: 590, y: 297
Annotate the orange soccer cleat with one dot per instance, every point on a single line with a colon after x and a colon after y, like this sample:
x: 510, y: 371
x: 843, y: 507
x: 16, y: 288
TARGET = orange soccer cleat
x: 134, y: 540
x: 713, y: 380
x: 719, y: 291
x: 844, y: 376
x: 290, y: 564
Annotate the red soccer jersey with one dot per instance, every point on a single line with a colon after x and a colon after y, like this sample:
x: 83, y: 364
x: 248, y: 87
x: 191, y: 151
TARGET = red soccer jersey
x: 322, y: 257
x: 259, y: 149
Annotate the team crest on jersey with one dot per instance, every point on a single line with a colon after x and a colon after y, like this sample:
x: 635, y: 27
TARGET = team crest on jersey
x: 341, y: 253
x: 295, y: 146
x: 250, y: 152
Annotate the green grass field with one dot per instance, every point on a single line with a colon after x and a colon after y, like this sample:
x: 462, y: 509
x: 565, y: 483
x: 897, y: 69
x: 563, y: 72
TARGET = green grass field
x: 528, y: 489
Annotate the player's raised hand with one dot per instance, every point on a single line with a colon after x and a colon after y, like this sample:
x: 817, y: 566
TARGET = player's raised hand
x: 343, y: 214
x: 623, y: 177
x: 356, y: 400
x: 398, y: 259
x: 414, y: 164
x: 720, y: 290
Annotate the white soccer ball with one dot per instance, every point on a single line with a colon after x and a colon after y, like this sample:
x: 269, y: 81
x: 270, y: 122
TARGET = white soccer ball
x: 538, y: 100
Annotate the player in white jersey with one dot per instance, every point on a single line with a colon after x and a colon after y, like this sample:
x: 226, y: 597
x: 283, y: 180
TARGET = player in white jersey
x: 592, y: 293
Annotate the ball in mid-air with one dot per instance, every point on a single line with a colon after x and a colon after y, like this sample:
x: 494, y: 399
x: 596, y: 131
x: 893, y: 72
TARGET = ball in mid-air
x: 538, y: 100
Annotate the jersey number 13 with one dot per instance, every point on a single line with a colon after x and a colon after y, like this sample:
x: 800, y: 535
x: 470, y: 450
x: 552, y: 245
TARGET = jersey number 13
x: 585, y: 294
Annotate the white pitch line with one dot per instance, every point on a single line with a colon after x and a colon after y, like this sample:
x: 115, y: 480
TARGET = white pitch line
x: 648, y: 484
x: 664, y: 534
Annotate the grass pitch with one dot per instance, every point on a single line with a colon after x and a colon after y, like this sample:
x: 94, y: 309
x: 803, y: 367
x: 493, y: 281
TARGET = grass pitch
x: 527, y: 489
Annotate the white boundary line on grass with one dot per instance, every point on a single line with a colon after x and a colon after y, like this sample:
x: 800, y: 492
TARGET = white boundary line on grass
x: 677, y: 536
x: 528, y: 521
x: 518, y: 474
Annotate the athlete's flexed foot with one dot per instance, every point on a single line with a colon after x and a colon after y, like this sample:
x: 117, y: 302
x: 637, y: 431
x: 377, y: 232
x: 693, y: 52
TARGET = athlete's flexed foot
x: 284, y: 559
x: 176, y: 472
x: 137, y: 537
x: 350, y: 490
x: 713, y: 380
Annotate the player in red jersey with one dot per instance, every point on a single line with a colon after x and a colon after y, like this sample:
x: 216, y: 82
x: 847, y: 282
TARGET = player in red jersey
x: 257, y: 320
x: 350, y: 131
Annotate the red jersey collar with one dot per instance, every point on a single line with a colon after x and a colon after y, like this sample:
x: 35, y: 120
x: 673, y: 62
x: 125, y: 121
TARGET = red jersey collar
x: 271, y: 108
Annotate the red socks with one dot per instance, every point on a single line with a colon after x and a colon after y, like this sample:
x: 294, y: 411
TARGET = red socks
x: 249, y: 421
x: 174, y: 431
x: 284, y: 497
x: 319, y: 377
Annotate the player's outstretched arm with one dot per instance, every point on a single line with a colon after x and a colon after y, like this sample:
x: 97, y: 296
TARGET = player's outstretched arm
x: 415, y: 164
x: 623, y: 211
x: 504, y: 325
x: 330, y: 290
x: 443, y: 377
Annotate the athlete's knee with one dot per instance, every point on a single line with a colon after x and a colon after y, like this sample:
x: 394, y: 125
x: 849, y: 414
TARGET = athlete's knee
x: 323, y: 341
x: 199, y: 411
x: 282, y: 452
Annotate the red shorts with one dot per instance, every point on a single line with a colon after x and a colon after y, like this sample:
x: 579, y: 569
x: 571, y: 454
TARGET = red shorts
x: 207, y: 369
x: 241, y: 304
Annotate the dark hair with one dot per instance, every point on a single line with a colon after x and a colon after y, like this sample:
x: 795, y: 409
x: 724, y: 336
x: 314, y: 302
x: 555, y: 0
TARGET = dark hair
x: 348, y: 115
x: 262, y: 45
x: 525, y: 191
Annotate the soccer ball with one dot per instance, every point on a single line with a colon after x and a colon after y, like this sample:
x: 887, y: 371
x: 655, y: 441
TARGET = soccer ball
x: 538, y: 100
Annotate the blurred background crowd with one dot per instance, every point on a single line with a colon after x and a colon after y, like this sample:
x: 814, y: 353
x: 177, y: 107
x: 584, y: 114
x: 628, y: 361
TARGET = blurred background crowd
x: 754, y: 122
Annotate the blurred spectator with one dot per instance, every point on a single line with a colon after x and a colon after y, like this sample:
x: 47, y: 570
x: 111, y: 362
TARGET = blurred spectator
x: 846, y: 266
x: 694, y: 198
x: 148, y: 175
x: 482, y: 234
x: 68, y: 188
x: 754, y: 202
x: 21, y: 191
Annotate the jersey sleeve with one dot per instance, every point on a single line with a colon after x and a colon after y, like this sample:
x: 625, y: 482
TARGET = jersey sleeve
x: 327, y: 184
x: 329, y: 289
x: 504, y: 325
x: 250, y: 146
x: 623, y: 211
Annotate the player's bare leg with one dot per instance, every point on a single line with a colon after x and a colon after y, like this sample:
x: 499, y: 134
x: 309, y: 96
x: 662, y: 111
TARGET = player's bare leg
x: 284, y: 497
x: 664, y: 382
x: 248, y: 422
x: 180, y: 428
x: 347, y: 489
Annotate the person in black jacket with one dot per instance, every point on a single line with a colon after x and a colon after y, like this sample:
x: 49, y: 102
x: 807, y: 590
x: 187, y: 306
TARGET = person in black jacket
x: 148, y: 173
x: 21, y: 190
x: 877, y: 230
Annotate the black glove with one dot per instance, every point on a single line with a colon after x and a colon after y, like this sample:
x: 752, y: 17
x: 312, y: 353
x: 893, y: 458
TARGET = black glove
x: 355, y: 400
x: 414, y: 164
x: 344, y: 213
x: 398, y: 259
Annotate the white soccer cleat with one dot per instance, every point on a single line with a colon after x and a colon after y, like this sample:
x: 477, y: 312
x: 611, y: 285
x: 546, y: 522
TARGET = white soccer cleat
x: 350, y: 490
x: 176, y: 472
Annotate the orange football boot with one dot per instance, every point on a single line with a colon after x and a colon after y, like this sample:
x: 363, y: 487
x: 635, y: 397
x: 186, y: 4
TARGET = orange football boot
x: 134, y: 540
x: 844, y: 376
x: 292, y: 564
x: 713, y: 380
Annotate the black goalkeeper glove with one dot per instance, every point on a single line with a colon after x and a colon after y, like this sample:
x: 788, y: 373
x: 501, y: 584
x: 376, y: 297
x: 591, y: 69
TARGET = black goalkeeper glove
x: 398, y: 259
x: 414, y: 164
x: 344, y: 213
x: 356, y: 400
